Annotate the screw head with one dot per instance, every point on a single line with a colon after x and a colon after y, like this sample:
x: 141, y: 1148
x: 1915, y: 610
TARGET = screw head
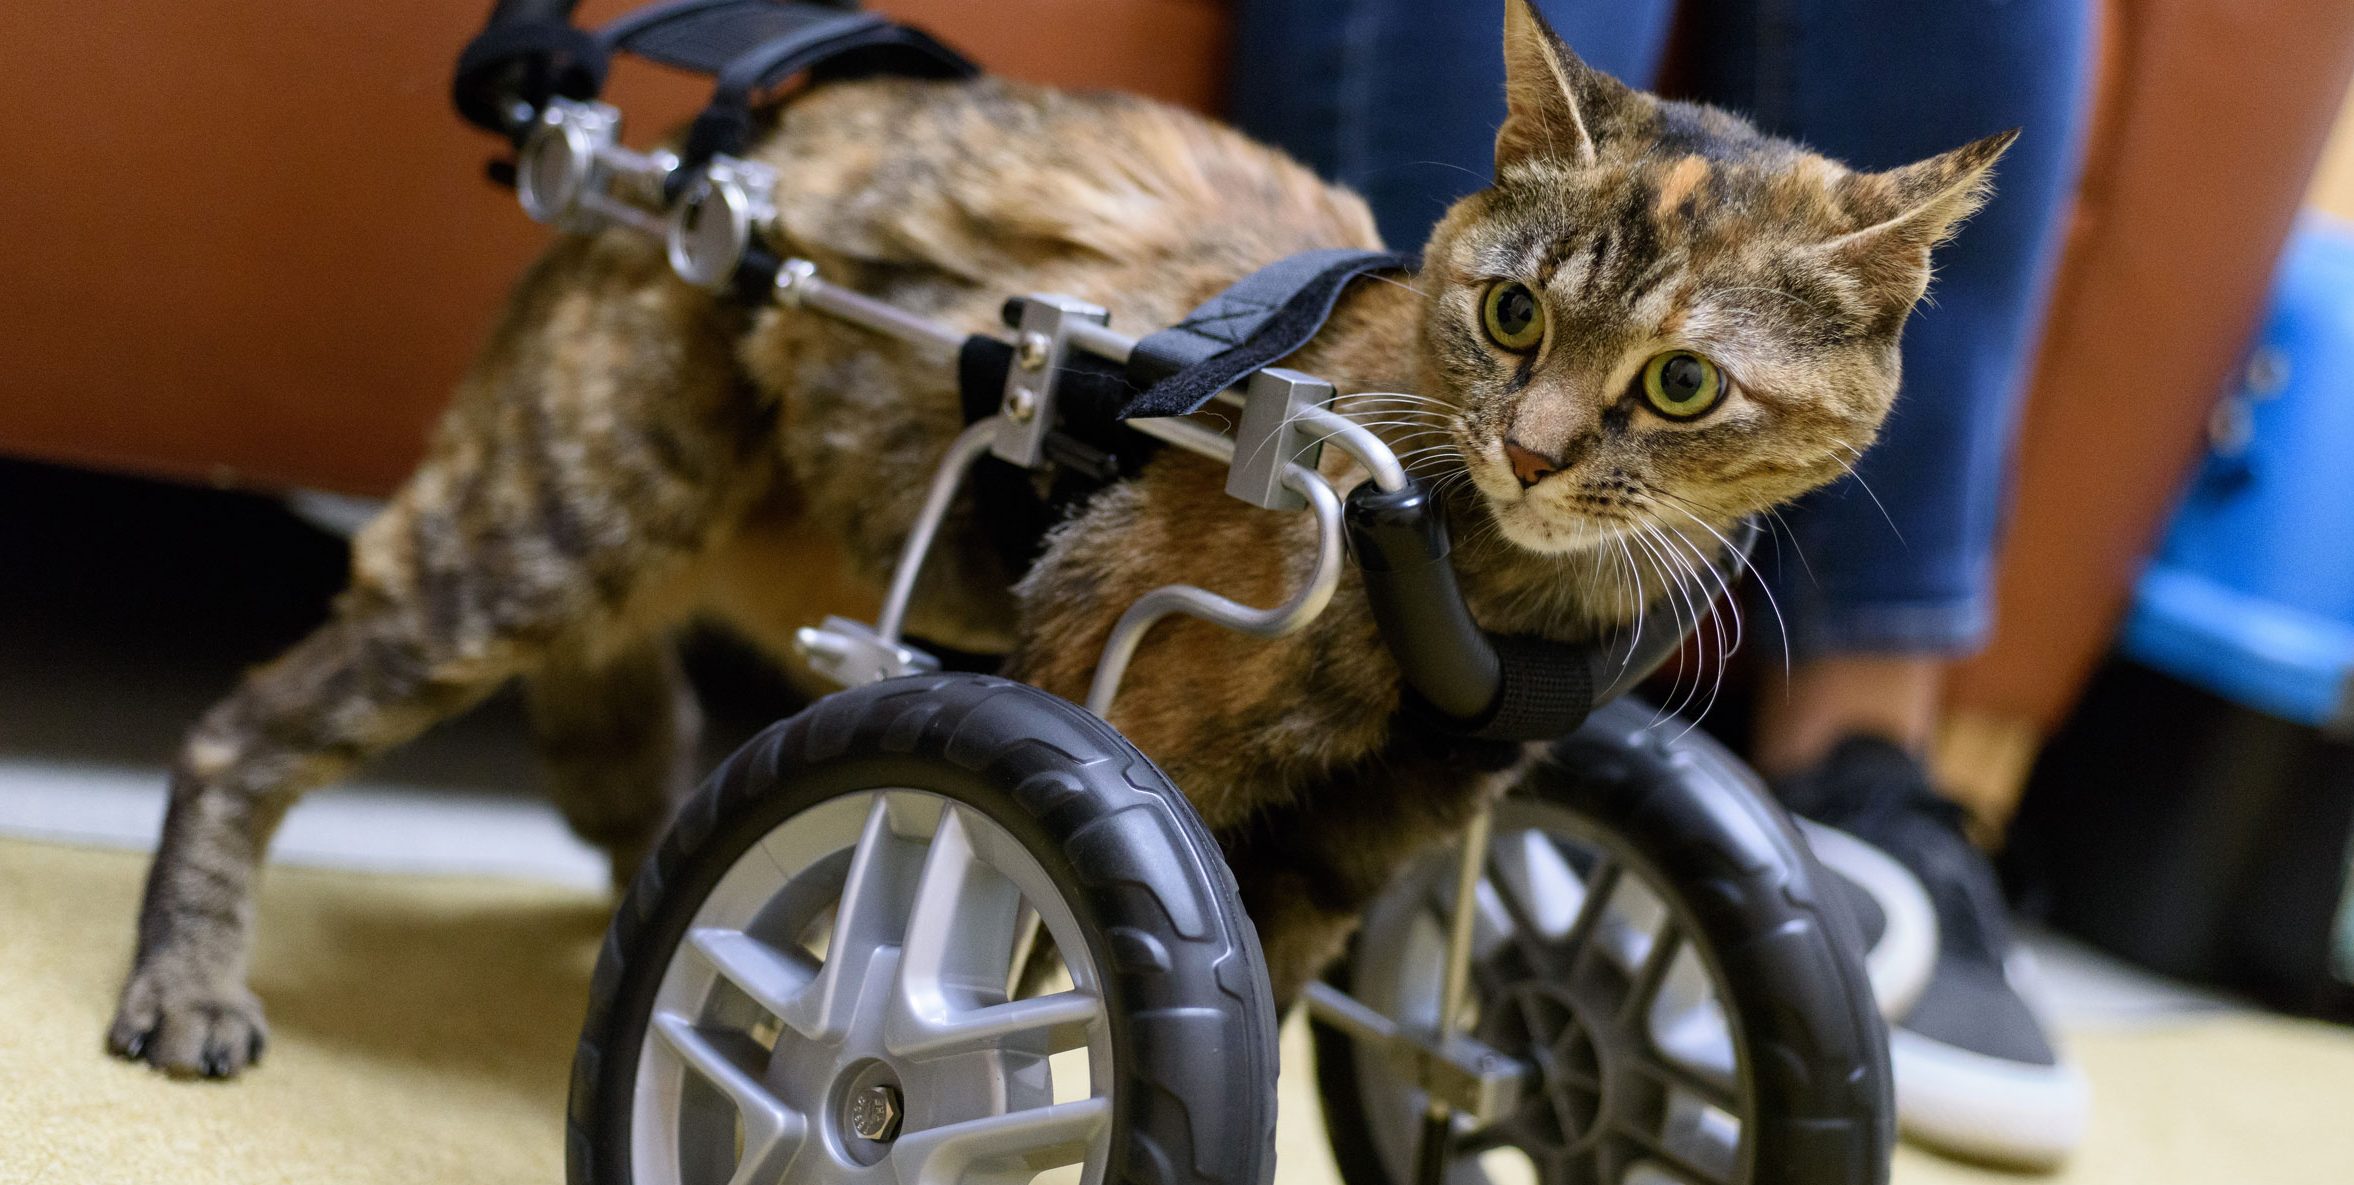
x: 873, y: 1113
x: 1021, y: 403
x: 1031, y: 350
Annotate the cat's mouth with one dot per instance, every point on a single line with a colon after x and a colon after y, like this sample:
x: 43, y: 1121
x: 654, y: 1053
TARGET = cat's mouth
x: 1557, y: 532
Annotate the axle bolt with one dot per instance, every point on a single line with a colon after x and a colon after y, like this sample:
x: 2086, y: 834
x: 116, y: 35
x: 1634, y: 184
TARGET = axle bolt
x: 873, y: 1113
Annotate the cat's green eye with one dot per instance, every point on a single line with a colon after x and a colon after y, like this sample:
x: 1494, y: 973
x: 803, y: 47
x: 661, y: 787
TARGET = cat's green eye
x: 1514, y: 318
x: 1682, y: 385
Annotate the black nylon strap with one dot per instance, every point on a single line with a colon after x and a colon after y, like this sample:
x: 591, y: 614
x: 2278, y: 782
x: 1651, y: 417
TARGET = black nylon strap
x: 696, y: 35
x: 754, y: 45
x: 1262, y: 319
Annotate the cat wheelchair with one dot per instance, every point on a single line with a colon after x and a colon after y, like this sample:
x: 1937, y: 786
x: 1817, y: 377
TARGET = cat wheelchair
x: 945, y: 927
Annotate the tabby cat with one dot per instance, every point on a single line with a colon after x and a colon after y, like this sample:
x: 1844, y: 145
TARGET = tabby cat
x: 1654, y: 322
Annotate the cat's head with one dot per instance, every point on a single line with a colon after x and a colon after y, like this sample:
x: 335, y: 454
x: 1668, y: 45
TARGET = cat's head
x: 1657, y: 312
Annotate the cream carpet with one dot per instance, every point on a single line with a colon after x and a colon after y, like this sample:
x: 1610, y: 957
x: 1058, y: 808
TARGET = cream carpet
x: 423, y: 1026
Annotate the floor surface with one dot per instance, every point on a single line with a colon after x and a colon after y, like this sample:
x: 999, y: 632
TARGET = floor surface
x: 427, y: 932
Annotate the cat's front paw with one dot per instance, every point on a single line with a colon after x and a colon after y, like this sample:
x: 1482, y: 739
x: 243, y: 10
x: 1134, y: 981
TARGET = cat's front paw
x: 186, y: 1023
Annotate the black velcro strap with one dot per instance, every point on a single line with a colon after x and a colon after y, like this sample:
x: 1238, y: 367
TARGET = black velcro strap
x: 529, y: 62
x: 1546, y: 690
x: 1261, y: 320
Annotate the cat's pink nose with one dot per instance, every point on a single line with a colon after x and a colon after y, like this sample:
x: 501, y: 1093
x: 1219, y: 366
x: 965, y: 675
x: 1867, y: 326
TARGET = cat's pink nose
x: 1529, y: 465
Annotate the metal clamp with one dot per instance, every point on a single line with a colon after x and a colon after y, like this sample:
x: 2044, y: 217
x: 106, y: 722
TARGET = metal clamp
x: 851, y: 653
x: 1043, y: 326
x: 1464, y: 1074
x: 558, y: 163
x: 712, y: 223
x: 1274, y: 403
x: 573, y: 172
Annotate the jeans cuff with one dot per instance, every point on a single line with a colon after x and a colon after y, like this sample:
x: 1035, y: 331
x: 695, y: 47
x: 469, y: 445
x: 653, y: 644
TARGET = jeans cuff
x: 1947, y: 628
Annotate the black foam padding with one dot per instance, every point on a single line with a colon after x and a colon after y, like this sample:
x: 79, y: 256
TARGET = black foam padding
x: 981, y: 366
x: 528, y: 61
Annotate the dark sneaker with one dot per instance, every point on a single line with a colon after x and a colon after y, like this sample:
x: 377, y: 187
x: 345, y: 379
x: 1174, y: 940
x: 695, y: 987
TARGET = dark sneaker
x: 1977, y: 1073
x: 1890, y: 907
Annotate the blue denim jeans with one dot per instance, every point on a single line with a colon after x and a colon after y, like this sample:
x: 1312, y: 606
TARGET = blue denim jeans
x: 1400, y: 99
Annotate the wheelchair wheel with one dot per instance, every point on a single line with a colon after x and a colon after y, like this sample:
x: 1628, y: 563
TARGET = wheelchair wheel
x: 1656, y: 944
x: 825, y: 973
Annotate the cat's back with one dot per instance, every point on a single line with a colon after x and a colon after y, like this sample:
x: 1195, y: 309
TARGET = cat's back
x: 1007, y: 185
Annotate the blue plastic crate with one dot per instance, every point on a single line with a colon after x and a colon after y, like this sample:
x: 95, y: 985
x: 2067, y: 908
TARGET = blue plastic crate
x: 2252, y: 593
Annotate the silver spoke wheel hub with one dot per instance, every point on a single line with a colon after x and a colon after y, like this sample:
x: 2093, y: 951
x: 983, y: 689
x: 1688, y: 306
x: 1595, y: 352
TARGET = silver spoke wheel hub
x: 847, y: 1005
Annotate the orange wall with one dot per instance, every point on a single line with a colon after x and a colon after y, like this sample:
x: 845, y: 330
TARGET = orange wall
x: 247, y: 241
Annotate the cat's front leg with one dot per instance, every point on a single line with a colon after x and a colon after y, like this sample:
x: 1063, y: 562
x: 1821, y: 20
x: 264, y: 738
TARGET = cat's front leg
x: 1310, y: 864
x: 186, y: 1009
x: 355, y: 686
x: 595, y: 455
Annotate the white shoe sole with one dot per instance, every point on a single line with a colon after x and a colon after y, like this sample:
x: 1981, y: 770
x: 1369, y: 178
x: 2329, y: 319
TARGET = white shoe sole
x: 1987, y: 1109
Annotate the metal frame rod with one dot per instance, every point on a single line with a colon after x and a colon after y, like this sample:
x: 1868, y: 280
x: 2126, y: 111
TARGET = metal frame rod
x: 798, y: 285
x: 1360, y: 444
x: 1302, y: 608
x: 1103, y: 342
x: 643, y: 172
x: 970, y: 446
x: 605, y: 205
x: 1463, y: 922
x: 1190, y: 436
x: 1341, y: 432
x: 1438, y: 1121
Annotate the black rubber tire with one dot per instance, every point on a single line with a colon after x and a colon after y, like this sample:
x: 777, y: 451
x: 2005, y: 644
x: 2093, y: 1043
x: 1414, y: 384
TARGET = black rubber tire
x: 1191, y: 1020
x: 1808, y: 1039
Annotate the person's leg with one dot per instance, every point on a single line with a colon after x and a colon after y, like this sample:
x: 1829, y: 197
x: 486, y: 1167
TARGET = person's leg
x: 1400, y: 99
x: 1884, y: 577
x: 1832, y: 697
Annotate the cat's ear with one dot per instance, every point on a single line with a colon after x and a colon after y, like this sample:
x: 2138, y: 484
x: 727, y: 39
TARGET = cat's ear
x: 1556, y: 107
x: 1906, y: 211
x: 1912, y: 208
